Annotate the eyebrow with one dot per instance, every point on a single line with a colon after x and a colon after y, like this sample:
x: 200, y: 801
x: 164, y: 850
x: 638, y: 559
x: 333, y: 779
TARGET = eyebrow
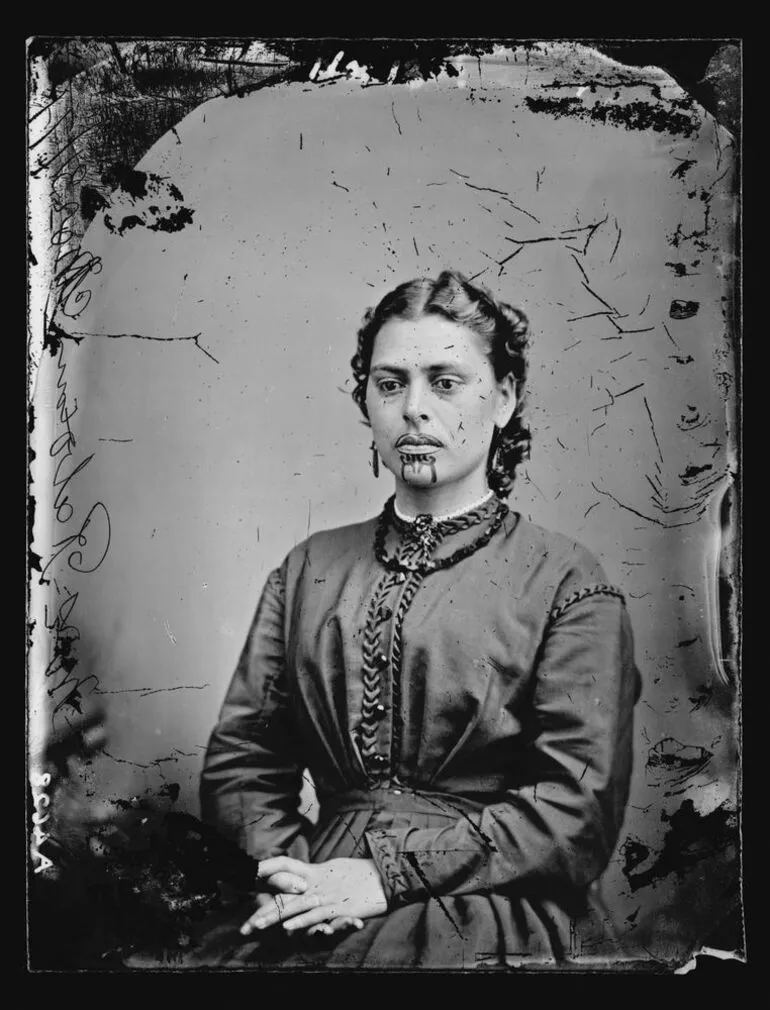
x: 434, y: 369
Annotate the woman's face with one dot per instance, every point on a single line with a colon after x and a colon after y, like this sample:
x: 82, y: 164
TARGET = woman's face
x: 433, y: 403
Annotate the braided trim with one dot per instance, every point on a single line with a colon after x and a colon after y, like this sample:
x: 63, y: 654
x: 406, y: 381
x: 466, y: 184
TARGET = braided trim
x: 419, y: 546
x: 410, y: 589
x: 380, y: 843
x: 468, y: 519
x: 594, y: 589
x: 426, y: 533
x: 372, y: 674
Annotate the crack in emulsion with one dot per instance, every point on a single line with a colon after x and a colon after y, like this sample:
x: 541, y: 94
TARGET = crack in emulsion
x: 195, y: 339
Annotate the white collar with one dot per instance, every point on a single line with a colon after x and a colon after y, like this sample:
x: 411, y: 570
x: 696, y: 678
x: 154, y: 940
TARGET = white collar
x: 446, y: 515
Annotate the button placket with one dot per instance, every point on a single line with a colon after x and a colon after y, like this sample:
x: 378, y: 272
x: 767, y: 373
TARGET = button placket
x: 386, y: 708
x: 389, y: 711
x: 405, y: 598
x: 405, y: 571
x: 380, y: 730
x: 376, y: 726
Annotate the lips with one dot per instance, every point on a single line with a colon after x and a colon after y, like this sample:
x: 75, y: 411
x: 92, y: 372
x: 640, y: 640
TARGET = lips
x: 417, y: 441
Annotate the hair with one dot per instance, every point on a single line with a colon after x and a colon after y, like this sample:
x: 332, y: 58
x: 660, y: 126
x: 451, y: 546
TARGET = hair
x: 504, y: 330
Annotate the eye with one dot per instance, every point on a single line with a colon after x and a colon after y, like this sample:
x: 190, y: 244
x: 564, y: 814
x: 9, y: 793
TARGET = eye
x: 445, y: 384
x: 388, y: 385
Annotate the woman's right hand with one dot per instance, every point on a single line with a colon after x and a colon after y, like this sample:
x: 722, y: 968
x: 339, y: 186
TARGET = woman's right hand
x: 292, y: 883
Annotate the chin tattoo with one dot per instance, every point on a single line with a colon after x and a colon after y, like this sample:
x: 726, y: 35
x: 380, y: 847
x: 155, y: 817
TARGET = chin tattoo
x: 415, y: 461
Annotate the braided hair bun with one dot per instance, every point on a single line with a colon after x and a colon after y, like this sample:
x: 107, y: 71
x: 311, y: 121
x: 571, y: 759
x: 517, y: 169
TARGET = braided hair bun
x: 511, y: 445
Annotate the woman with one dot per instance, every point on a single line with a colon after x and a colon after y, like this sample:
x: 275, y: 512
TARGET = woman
x: 459, y: 682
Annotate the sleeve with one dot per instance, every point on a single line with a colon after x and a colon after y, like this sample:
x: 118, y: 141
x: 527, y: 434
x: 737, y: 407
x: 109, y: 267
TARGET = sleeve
x: 558, y: 826
x: 252, y: 773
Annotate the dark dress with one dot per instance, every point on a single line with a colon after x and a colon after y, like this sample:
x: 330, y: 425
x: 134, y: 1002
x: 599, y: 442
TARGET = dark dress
x: 468, y: 728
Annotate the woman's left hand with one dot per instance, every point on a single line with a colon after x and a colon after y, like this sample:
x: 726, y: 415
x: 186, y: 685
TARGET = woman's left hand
x: 340, y: 889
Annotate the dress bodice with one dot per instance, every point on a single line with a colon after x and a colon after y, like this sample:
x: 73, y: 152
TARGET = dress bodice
x: 467, y: 725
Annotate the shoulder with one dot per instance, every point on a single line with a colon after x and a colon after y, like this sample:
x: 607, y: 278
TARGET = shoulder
x: 335, y: 544
x: 561, y: 553
x: 573, y: 571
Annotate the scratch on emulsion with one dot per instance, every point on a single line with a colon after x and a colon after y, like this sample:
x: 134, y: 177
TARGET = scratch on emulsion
x: 652, y: 426
x: 395, y: 118
x: 411, y: 858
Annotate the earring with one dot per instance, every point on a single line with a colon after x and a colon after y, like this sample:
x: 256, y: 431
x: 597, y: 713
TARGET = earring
x: 375, y: 461
x: 495, y: 453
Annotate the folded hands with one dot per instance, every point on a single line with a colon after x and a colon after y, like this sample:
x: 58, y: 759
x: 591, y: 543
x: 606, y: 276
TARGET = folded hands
x: 320, y: 897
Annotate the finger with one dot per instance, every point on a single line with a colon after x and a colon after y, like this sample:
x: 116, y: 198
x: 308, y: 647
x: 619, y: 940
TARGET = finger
x: 281, y: 864
x: 346, y: 922
x: 269, y: 909
x: 281, y: 907
x: 336, y: 925
x: 310, y: 918
x: 288, y: 883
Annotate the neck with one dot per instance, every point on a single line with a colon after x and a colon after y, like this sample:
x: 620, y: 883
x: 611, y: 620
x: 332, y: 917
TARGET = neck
x: 444, y: 501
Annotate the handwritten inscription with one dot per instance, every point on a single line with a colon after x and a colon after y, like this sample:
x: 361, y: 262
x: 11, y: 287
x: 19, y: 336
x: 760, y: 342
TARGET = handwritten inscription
x: 71, y: 266
x: 82, y: 549
x: 80, y: 537
x: 62, y: 686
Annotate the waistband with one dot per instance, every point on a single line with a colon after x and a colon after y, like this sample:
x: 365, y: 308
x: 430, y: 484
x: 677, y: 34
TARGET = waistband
x: 400, y: 800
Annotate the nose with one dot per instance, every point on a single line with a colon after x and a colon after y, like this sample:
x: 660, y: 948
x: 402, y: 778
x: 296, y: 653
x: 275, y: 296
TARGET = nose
x: 415, y: 407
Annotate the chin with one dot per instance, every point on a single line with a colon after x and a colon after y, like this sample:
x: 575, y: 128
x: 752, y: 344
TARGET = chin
x: 418, y: 474
x: 421, y: 480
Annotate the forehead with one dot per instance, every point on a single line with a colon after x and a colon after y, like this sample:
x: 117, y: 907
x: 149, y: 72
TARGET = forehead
x: 421, y: 342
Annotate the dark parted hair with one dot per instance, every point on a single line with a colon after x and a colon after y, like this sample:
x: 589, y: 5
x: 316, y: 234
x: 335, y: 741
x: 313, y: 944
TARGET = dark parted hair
x: 504, y: 330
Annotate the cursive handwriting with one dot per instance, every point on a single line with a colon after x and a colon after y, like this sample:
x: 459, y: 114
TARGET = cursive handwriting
x: 98, y: 520
x: 64, y: 684
x: 69, y: 279
x: 64, y: 444
x: 75, y: 559
x: 79, y: 543
x: 71, y: 266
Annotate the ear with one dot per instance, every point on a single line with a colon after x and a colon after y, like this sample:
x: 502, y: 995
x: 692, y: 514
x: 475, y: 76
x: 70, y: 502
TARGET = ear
x: 506, y: 400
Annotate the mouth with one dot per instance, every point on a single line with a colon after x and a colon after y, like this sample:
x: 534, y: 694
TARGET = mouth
x: 417, y: 444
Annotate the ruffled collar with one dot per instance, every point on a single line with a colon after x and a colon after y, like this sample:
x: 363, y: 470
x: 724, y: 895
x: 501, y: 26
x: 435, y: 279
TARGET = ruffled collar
x: 447, y: 515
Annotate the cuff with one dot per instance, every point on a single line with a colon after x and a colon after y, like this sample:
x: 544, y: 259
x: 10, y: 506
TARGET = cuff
x: 398, y: 884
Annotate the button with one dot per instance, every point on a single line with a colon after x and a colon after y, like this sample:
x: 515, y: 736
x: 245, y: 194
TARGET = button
x: 378, y: 759
x: 401, y: 577
x: 396, y: 792
x: 381, y: 659
x: 379, y: 711
x: 385, y: 613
